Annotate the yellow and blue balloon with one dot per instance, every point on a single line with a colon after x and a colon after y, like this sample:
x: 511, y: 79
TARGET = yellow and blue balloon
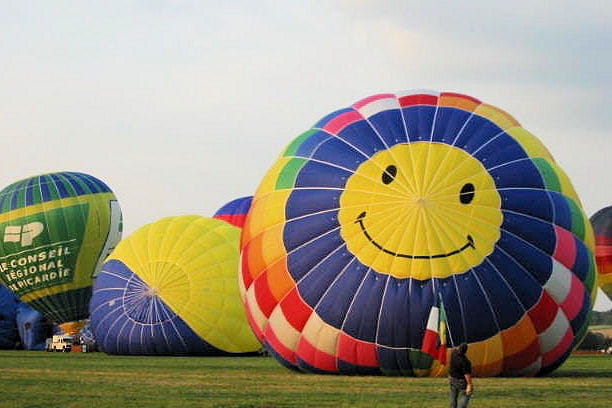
x: 172, y: 288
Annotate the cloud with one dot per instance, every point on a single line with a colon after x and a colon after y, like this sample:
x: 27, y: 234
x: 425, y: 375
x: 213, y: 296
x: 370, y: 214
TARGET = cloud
x: 195, y: 99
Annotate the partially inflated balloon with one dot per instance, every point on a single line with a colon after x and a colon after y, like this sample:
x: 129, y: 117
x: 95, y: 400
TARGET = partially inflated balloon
x: 56, y: 231
x: 417, y: 216
x: 8, y: 323
x: 33, y: 327
x: 235, y: 211
x: 602, y: 226
x: 172, y: 288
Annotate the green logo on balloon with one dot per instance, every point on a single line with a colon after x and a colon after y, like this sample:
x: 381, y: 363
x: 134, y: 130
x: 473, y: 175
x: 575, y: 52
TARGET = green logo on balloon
x: 32, y: 257
x: 55, y: 231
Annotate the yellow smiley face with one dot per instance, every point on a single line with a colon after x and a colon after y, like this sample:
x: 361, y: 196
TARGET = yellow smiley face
x: 421, y: 210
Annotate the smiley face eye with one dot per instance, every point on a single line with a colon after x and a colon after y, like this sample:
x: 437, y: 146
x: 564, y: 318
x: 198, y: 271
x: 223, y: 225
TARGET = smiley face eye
x: 467, y: 193
x: 389, y: 174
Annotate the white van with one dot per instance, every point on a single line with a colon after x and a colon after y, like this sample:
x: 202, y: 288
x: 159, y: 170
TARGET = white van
x: 60, y: 342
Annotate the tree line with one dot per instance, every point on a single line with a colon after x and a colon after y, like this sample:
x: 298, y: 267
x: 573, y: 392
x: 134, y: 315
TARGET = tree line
x: 594, y: 340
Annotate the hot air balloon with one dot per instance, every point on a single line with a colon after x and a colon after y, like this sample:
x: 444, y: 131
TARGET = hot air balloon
x: 171, y: 288
x: 57, y: 229
x: 235, y: 211
x: 9, y: 336
x: 33, y: 327
x: 602, y: 226
x: 406, y: 224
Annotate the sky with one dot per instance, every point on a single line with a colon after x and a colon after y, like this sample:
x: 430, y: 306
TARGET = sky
x: 182, y: 105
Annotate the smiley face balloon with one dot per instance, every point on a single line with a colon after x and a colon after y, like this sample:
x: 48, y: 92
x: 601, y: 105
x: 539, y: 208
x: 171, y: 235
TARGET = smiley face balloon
x: 407, y: 204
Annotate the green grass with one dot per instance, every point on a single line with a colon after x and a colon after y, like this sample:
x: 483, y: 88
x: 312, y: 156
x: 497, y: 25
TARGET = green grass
x: 78, y: 380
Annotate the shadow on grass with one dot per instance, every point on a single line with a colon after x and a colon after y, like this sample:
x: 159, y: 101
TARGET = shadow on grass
x: 595, y: 373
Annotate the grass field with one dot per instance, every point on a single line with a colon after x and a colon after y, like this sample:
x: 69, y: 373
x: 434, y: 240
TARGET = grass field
x: 77, y: 380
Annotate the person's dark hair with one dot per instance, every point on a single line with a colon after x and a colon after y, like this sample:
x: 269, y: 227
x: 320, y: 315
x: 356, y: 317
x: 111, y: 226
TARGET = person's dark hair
x: 462, y: 349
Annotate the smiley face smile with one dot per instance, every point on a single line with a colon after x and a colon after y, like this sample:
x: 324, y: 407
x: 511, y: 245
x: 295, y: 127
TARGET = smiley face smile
x: 468, y: 244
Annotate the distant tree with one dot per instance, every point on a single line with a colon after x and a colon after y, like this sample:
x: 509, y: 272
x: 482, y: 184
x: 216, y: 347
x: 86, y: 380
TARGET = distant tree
x: 601, y: 318
x: 595, y: 341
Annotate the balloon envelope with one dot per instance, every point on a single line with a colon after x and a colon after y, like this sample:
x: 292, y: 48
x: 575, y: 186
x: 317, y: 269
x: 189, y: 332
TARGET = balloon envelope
x: 407, y: 224
x: 33, y: 327
x: 57, y: 229
x: 235, y: 211
x: 172, y: 288
x: 602, y: 227
x: 8, y: 323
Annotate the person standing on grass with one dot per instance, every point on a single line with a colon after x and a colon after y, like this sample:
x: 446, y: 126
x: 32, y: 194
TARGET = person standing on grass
x: 460, y: 377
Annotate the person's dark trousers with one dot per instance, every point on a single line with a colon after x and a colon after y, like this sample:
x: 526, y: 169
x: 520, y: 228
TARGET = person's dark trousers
x: 455, y: 392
